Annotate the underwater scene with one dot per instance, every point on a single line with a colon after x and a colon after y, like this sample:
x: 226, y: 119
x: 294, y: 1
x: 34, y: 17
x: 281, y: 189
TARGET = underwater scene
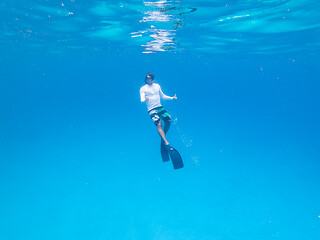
x: 80, y: 157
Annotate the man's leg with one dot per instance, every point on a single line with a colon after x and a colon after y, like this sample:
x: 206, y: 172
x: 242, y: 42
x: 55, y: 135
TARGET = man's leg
x: 162, y: 133
x: 167, y: 124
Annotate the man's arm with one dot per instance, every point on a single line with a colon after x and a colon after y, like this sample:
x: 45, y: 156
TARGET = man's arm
x: 143, y: 96
x: 165, y: 97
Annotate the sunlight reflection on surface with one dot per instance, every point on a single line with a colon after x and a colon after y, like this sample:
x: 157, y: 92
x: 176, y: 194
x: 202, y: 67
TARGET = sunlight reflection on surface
x: 163, y: 37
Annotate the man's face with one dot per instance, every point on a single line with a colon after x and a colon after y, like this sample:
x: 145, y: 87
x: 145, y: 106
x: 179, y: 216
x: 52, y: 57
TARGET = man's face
x: 149, y: 80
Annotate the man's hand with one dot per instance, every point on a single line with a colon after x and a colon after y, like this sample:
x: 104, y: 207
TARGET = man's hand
x: 175, y: 97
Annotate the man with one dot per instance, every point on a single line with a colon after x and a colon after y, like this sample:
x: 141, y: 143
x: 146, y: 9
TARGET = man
x: 151, y: 93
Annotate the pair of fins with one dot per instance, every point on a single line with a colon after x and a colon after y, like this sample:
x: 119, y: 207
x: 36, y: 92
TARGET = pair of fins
x: 174, y: 155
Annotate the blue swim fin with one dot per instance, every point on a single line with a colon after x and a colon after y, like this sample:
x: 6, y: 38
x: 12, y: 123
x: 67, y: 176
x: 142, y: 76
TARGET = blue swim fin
x: 164, y: 152
x: 175, y: 157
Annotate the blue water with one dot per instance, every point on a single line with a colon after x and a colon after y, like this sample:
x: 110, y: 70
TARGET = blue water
x: 80, y: 158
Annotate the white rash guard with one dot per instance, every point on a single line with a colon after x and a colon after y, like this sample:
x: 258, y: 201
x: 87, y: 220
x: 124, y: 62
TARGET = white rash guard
x: 153, y: 92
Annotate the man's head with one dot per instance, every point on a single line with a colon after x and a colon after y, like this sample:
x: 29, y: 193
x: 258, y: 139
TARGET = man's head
x: 149, y: 78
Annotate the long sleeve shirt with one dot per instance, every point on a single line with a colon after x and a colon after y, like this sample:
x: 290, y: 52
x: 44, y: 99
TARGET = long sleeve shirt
x: 153, y: 92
